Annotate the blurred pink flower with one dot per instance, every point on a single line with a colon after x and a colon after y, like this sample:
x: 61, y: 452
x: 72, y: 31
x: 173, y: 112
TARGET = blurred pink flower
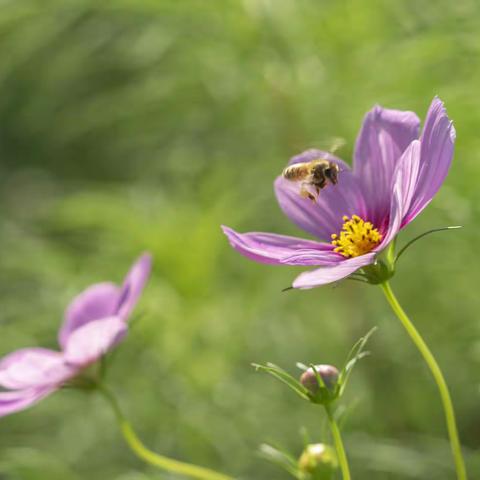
x: 395, y: 175
x: 95, y: 322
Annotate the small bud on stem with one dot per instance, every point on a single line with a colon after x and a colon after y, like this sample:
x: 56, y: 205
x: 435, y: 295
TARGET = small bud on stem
x: 318, y: 461
x: 328, y: 373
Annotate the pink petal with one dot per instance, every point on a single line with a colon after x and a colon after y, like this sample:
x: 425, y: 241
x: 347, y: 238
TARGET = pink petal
x: 404, y: 187
x: 87, y: 344
x: 280, y: 249
x: 33, y: 367
x: 323, y: 217
x: 98, y: 301
x: 384, y: 136
x: 437, y: 139
x: 133, y: 285
x: 11, y: 402
x: 324, y: 275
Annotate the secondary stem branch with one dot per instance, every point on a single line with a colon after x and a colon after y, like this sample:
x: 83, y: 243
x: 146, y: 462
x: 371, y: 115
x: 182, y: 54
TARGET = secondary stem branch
x: 153, y: 458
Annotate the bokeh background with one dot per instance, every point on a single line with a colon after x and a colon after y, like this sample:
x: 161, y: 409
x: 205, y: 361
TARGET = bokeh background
x: 138, y: 125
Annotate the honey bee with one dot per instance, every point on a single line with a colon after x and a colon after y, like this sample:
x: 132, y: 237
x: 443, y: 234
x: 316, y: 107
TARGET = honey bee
x: 315, y: 173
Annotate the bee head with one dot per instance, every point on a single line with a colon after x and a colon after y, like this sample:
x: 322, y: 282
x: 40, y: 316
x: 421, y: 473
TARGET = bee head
x: 331, y: 172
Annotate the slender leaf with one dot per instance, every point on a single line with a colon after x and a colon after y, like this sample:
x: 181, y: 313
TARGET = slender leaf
x: 284, y: 377
x: 356, y: 354
x: 279, y: 457
x: 411, y: 242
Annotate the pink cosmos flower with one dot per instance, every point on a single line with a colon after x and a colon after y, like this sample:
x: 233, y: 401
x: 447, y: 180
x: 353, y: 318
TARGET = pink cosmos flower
x: 395, y: 175
x: 95, y: 322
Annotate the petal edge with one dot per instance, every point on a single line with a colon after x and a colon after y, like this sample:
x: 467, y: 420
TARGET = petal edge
x: 325, y: 275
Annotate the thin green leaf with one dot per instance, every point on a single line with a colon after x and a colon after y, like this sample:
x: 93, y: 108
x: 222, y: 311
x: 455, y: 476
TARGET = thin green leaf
x: 279, y: 457
x: 305, y: 436
x: 411, y: 242
x: 354, y: 360
x: 284, y: 377
x: 356, y: 354
x: 301, y: 366
x: 354, y: 350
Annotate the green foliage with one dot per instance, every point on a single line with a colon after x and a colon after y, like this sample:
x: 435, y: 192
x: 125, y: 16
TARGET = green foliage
x: 144, y: 125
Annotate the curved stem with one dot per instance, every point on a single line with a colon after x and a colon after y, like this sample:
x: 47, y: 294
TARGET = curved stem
x: 337, y: 439
x: 153, y: 458
x: 437, y: 375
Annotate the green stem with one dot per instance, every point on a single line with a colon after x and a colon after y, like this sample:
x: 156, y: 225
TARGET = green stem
x: 437, y: 375
x: 337, y: 440
x: 153, y: 458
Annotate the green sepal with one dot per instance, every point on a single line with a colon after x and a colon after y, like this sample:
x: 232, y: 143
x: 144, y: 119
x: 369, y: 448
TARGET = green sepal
x: 378, y: 272
x: 284, y: 377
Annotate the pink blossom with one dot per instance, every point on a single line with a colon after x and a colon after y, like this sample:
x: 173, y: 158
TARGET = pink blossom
x: 95, y: 321
x: 396, y: 172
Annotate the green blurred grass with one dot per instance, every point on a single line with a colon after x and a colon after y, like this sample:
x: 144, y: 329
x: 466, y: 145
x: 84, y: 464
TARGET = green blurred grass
x: 144, y: 126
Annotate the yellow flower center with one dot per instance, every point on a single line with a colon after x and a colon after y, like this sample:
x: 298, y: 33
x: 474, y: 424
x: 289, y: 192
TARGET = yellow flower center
x: 356, y: 237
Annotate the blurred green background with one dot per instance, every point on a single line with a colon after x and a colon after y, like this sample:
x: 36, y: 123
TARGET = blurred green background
x: 143, y: 125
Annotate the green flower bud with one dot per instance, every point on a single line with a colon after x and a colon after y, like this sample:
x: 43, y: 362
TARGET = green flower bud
x: 318, y: 462
x: 328, y: 373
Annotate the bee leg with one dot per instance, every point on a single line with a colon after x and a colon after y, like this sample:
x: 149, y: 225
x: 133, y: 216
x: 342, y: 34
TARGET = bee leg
x: 305, y: 193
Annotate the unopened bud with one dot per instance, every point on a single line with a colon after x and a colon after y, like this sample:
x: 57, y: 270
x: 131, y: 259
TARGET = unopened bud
x: 318, y: 461
x: 328, y: 373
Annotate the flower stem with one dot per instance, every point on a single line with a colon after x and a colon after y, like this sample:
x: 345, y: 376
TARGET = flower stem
x: 153, y: 458
x: 437, y: 375
x: 337, y: 439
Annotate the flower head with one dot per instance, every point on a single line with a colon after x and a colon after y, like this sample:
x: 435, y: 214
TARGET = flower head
x: 396, y: 172
x: 95, y: 322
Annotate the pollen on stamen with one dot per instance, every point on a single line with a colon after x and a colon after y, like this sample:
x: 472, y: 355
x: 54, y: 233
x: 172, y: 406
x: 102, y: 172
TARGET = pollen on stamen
x: 356, y: 237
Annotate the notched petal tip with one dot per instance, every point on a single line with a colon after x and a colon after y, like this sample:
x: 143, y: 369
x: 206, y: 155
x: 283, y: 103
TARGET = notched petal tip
x: 437, y: 112
x: 437, y: 147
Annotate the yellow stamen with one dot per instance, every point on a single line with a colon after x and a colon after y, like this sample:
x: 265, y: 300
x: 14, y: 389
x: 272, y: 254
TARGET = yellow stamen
x: 356, y: 237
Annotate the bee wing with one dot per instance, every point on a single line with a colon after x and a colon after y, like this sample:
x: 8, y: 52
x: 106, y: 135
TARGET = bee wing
x: 329, y: 144
x: 337, y: 143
